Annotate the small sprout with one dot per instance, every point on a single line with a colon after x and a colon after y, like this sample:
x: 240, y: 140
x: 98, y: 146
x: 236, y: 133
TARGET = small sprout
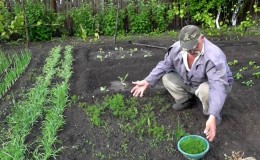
x: 100, y: 51
x: 100, y: 57
x: 249, y: 83
x: 121, y: 48
x: 243, y: 69
x: 104, y: 89
x: 234, y: 62
x: 238, y: 76
x: 148, y: 55
x: 256, y: 67
x: 132, y: 51
x: 256, y: 75
x: 122, y: 79
x: 251, y: 63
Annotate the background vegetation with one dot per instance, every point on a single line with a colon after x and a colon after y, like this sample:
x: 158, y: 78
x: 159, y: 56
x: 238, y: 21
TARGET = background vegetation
x: 82, y: 18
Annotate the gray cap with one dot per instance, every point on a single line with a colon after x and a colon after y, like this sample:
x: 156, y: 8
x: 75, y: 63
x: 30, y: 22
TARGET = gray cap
x: 189, y: 36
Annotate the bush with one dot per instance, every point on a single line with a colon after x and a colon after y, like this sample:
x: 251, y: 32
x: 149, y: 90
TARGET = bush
x: 40, y: 21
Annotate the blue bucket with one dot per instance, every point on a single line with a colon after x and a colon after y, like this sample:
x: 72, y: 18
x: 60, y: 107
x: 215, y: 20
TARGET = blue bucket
x: 193, y: 156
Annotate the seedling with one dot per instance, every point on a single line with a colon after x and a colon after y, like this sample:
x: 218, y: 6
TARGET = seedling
x: 122, y: 79
x: 232, y: 63
x: 248, y: 83
x: 243, y: 69
x: 132, y: 51
x: 256, y: 67
x: 251, y: 63
x: 104, y: 89
x: 100, y: 57
x: 256, y: 75
x: 238, y: 76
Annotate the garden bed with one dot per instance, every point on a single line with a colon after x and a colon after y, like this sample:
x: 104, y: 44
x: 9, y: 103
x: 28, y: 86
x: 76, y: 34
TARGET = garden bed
x: 105, y: 69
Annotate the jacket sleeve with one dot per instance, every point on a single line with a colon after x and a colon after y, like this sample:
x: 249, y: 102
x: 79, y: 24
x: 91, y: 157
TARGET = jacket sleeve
x: 161, y: 68
x: 218, y: 86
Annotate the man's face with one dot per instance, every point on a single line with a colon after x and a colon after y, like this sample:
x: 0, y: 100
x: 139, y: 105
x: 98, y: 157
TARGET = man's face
x: 198, y: 48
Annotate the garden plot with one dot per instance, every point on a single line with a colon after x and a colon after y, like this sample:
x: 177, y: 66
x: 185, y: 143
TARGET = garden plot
x: 119, y: 63
x: 104, y: 121
x: 109, y: 141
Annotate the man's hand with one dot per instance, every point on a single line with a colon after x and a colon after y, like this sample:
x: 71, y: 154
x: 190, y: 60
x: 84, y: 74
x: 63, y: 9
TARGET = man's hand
x: 210, y: 129
x: 140, y: 87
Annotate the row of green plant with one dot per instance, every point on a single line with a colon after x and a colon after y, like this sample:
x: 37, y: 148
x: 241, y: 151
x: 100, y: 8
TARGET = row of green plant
x: 11, y: 74
x: 57, y: 102
x: 137, y: 17
x: 240, y: 73
x: 5, y: 61
x: 25, y: 112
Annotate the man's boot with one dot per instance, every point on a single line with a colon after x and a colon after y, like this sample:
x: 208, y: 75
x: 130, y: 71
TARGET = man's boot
x: 184, y: 103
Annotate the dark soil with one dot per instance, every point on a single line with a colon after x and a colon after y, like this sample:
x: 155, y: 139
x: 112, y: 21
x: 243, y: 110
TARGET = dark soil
x: 239, y: 130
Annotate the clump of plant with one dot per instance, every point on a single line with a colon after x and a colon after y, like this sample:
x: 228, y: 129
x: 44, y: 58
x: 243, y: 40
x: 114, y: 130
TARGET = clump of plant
x: 193, y: 145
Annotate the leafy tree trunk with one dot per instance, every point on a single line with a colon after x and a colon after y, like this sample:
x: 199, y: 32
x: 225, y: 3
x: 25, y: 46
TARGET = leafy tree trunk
x: 116, y: 21
x: 9, y: 5
x: 54, y: 5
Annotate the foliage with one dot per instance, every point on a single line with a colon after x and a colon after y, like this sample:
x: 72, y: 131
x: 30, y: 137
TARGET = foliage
x: 9, y: 24
x: 138, y: 14
x: 83, y: 20
x: 158, y: 16
x: 40, y: 21
x: 106, y: 20
x: 149, y: 17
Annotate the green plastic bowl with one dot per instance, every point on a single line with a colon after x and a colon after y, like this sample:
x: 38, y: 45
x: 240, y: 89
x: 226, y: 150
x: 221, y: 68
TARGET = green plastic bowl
x: 194, y: 156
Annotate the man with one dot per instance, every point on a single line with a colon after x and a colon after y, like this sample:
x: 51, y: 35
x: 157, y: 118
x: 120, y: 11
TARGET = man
x: 193, y: 67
